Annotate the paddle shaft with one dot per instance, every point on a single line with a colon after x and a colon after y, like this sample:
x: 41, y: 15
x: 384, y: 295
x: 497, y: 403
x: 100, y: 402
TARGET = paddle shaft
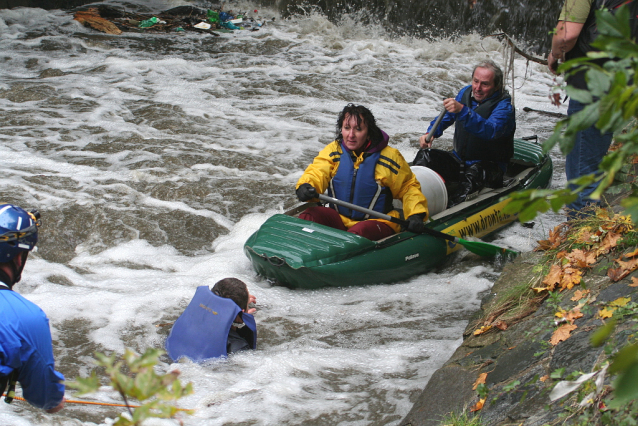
x: 393, y: 219
x: 430, y: 136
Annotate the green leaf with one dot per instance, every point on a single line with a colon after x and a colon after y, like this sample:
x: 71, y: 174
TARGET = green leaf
x: 630, y: 204
x: 557, y: 374
x: 85, y: 385
x: 598, y: 84
x: 624, y: 359
x: 600, y: 336
x: 582, y: 96
x: 626, y: 385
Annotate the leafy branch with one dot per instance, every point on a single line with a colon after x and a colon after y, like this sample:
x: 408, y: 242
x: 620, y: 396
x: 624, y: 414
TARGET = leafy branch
x: 611, y: 105
x: 141, y: 383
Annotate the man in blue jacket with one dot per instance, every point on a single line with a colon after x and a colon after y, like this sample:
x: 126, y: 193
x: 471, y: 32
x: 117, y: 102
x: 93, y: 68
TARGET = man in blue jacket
x: 484, y: 129
x: 26, y: 353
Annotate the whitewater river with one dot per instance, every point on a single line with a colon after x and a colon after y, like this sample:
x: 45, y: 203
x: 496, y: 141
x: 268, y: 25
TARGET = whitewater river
x: 152, y: 159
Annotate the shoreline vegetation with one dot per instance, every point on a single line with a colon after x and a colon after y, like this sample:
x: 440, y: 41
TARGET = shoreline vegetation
x: 543, y: 348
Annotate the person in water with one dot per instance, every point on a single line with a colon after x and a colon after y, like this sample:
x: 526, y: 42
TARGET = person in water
x: 359, y: 167
x: 237, y: 291
x: 26, y: 352
x: 216, y: 323
x: 484, y: 130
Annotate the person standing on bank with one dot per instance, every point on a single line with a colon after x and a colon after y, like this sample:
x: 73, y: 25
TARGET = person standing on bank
x: 359, y: 167
x: 484, y: 129
x: 574, y: 33
x: 26, y: 353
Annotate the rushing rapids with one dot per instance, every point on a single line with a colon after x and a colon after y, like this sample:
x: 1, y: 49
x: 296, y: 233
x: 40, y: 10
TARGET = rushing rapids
x: 153, y: 158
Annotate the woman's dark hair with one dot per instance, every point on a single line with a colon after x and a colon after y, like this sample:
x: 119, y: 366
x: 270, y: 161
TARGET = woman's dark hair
x: 234, y: 289
x: 361, y: 114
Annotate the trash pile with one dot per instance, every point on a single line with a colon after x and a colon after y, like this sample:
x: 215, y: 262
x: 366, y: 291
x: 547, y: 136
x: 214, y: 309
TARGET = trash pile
x: 182, y: 18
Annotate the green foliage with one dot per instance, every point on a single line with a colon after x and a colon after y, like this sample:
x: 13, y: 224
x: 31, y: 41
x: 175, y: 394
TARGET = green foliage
x: 600, y: 335
x: 141, y: 382
x: 482, y: 390
x: 558, y: 373
x: 463, y: 419
x: 511, y: 386
x: 612, y: 105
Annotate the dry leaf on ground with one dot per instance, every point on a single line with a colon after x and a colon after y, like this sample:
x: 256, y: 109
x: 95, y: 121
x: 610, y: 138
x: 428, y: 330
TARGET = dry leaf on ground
x: 478, y: 406
x: 562, y: 333
x: 480, y: 380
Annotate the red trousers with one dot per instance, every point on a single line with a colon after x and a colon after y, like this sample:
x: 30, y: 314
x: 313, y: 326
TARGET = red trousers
x: 370, y: 229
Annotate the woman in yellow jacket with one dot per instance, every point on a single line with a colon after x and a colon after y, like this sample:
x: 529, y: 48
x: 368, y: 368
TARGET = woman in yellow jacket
x: 359, y: 167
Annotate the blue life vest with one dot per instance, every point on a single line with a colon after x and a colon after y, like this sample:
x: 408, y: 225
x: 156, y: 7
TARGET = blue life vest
x: 359, y: 186
x: 201, y: 332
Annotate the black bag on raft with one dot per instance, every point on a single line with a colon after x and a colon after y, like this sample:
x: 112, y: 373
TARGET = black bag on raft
x: 443, y: 162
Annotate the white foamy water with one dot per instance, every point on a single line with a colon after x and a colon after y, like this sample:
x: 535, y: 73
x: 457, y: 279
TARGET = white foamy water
x: 153, y: 158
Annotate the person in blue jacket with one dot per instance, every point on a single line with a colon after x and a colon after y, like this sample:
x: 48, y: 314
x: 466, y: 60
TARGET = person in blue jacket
x: 484, y: 129
x: 216, y: 323
x: 26, y: 352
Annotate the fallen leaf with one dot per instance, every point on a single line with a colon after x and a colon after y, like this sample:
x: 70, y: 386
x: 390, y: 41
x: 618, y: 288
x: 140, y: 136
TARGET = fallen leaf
x: 482, y: 330
x: 582, y: 259
x: 584, y: 235
x: 579, y: 294
x: 616, y: 274
x: 632, y: 254
x: 627, y: 267
x: 610, y: 241
x: 573, y: 315
x: 620, y: 302
x: 562, y: 333
x: 553, y: 277
x: 634, y: 282
x: 571, y: 277
x: 544, y: 378
x: 556, y: 237
x: 480, y: 380
x: 501, y: 325
x: 478, y: 406
x: 606, y: 313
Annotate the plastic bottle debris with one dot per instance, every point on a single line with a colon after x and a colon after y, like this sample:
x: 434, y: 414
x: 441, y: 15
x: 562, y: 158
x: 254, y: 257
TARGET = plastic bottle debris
x: 229, y: 25
x: 213, y: 16
x: 203, y: 26
x: 149, y: 22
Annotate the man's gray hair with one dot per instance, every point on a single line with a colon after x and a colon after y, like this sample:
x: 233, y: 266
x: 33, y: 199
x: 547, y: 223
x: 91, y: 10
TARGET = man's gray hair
x: 498, y: 73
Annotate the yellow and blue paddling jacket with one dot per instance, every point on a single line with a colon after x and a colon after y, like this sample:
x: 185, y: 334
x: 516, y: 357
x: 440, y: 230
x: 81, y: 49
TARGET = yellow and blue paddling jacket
x: 371, y: 180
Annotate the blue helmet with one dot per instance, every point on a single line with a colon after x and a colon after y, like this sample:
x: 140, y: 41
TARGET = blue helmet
x: 18, y: 231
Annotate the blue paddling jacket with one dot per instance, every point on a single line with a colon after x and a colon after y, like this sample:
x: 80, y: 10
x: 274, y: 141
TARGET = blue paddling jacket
x: 201, y: 332
x: 25, y: 347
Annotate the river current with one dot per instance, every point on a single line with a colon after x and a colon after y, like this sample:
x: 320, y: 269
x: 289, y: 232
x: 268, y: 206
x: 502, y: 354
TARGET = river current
x: 152, y: 159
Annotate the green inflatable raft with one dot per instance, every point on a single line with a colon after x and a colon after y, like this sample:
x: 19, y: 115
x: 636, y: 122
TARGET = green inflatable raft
x: 296, y: 253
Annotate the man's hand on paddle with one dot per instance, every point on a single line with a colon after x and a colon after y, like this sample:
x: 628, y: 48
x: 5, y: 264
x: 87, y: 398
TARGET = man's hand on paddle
x: 423, y: 142
x: 451, y: 105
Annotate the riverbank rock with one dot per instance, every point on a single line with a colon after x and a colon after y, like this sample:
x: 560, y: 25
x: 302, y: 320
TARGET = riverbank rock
x: 505, y: 373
